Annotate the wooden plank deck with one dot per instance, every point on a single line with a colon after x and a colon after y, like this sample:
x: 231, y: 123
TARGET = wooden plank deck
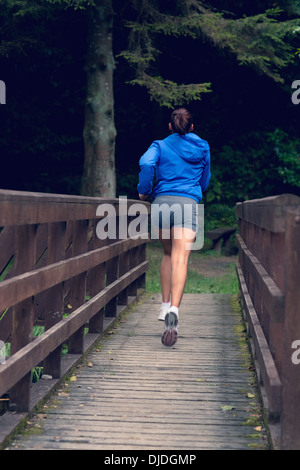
x: 135, y: 394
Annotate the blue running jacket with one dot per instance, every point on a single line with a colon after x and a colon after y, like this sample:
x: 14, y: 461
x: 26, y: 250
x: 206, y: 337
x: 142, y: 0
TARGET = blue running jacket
x: 181, y: 164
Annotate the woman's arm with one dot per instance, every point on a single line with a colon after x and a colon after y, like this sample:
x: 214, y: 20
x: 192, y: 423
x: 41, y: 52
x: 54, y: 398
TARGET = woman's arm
x: 148, y: 163
x: 205, y: 178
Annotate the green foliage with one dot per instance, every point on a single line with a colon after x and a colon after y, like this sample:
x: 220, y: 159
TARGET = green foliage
x: 76, y: 4
x: 260, y: 41
x: 219, y: 215
x: 41, y: 63
x: 263, y: 41
x: 16, y: 35
x: 43, y: 47
x: 255, y: 165
x: 22, y: 8
x: 19, y: 21
x: 292, y: 7
x: 144, y: 50
x: 287, y: 152
x: 126, y: 184
x: 168, y: 93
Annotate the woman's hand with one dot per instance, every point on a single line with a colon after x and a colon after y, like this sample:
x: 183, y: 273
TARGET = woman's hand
x: 143, y: 197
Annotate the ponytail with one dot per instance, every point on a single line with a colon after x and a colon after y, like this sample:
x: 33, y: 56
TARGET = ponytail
x: 181, y: 121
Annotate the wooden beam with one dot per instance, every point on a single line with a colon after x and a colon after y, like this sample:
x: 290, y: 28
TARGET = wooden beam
x: 268, y: 372
x: 23, y: 286
x: 19, y: 207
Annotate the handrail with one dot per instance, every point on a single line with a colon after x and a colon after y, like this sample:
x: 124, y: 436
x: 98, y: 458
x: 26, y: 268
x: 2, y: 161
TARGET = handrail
x: 269, y: 273
x: 58, y: 274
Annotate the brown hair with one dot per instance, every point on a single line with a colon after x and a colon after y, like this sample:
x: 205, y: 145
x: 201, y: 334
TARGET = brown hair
x: 181, y: 121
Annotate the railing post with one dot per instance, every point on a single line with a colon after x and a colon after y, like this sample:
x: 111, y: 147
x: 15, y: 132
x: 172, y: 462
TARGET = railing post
x: 132, y: 289
x: 290, y: 427
x: 54, y: 298
x: 97, y: 284
x: 124, y: 263
x: 22, y: 313
x: 142, y: 257
x: 78, y: 293
x: 112, y: 273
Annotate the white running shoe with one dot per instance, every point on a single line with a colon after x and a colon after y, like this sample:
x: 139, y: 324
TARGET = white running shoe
x: 162, y: 314
x: 170, y: 333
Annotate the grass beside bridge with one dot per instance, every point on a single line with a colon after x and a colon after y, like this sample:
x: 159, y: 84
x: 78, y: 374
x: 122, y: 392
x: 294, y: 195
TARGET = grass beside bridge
x: 208, y: 272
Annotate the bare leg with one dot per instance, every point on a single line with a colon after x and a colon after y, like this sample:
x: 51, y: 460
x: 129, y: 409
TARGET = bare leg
x: 182, y: 238
x: 166, y: 268
x: 173, y: 277
x: 173, y: 270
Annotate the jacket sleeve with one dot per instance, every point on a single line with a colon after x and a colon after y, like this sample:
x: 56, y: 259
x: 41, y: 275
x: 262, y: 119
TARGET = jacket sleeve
x: 205, y: 178
x: 148, y: 163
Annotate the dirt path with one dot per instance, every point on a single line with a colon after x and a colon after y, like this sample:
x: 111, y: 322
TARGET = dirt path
x: 210, y: 265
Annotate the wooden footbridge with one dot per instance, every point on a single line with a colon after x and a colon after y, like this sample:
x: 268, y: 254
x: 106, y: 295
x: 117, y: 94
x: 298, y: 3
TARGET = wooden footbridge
x: 74, y: 305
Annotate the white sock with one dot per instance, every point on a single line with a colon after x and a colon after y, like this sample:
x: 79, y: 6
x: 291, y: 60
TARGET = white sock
x: 166, y: 305
x: 175, y: 310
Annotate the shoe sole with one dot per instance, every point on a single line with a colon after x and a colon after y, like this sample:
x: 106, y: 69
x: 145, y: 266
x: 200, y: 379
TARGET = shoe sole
x: 170, y: 334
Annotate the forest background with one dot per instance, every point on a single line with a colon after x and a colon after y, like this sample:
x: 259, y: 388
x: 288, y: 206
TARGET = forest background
x: 242, y: 58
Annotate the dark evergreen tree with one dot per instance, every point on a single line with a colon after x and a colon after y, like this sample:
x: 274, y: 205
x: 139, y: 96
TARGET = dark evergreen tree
x: 260, y: 35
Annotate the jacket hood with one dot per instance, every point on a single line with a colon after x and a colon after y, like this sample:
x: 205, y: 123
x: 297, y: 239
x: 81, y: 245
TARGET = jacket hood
x: 189, y: 147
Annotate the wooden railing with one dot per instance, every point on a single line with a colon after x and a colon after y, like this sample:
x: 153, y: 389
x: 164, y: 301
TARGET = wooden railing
x: 56, y: 273
x: 269, y: 276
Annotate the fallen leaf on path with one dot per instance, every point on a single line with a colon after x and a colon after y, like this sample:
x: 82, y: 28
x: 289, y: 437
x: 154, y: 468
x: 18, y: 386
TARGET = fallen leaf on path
x: 227, y: 408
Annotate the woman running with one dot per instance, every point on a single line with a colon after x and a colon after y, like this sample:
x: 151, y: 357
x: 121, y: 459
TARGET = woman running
x: 181, y: 163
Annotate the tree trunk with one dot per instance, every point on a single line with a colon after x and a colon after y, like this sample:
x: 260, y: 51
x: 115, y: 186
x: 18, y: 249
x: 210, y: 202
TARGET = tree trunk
x: 99, y: 133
